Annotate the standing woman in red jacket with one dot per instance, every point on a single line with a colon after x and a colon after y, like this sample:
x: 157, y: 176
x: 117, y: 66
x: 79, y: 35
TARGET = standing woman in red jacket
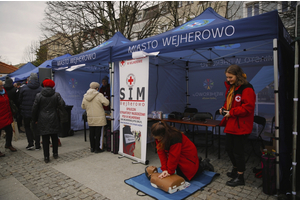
x: 177, y: 153
x: 238, y: 111
x: 6, y: 118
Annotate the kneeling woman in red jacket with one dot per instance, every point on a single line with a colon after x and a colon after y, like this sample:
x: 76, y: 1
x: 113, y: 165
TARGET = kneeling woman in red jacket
x: 176, y: 152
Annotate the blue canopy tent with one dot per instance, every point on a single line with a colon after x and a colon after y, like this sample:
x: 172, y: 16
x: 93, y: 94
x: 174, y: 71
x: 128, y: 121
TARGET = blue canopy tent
x: 74, y: 74
x: 25, y: 68
x: 46, y: 64
x: 189, y: 70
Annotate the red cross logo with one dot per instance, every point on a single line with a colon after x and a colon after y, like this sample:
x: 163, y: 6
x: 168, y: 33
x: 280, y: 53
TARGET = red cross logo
x: 130, y: 80
x: 238, y: 98
x: 122, y: 62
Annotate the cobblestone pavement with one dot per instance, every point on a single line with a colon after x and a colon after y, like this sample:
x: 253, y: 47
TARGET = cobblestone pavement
x: 45, y: 182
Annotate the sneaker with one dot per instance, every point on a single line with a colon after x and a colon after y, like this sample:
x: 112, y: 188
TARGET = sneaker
x: 30, y: 147
x: 38, y: 148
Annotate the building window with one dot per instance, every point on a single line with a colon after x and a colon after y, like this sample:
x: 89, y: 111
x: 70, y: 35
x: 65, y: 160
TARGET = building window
x: 252, y: 9
x: 179, y: 4
x: 139, y: 16
x: 288, y: 5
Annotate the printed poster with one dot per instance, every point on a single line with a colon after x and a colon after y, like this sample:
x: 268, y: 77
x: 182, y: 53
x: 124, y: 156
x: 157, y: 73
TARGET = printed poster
x: 134, y: 75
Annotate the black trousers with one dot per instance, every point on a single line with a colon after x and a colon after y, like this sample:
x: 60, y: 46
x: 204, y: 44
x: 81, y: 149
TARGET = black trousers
x: 95, y: 133
x: 46, y: 143
x: 31, y: 132
x: 235, y: 149
x: 9, y: 133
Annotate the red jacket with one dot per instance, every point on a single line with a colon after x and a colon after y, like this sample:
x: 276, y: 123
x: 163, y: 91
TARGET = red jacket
x: 6, y: 117
x: 241, y: 113
x: 181, y: 153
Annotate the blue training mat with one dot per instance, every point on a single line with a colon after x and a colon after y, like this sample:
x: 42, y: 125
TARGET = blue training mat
x: 142, y: 183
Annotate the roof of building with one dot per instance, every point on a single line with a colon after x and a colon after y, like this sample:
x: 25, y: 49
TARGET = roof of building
x: 6, y: 69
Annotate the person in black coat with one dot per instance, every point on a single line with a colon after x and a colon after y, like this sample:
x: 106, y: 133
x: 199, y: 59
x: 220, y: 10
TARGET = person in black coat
x: 45, y: 115
x: 26, y: 98
x: 12, y: 92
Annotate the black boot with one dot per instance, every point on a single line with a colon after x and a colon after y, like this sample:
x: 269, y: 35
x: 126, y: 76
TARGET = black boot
x: 233, y: 173
x: 239, y: 180
x: 46, y: 159
x: 205, y: 164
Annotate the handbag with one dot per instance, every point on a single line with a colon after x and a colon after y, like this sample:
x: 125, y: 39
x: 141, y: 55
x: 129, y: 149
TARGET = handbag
x: 15, y: 128
x: 13, y: 107
x: 202, y: 116
x: 62, y: 114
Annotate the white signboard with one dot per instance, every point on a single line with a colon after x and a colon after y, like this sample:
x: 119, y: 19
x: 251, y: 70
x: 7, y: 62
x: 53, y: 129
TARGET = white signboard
x: 134, y: 75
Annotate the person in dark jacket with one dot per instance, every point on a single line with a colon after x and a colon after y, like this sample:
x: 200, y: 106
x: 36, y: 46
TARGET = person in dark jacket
x: 6, y: 118
x: 45, y: 115
x: 105, y: 90
x: 26, y: 98
x: 238, y: 121
x: 177, y: 153
x: 11, y: 91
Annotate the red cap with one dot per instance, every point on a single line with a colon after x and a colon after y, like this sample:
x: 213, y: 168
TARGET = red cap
x: 48, y: 83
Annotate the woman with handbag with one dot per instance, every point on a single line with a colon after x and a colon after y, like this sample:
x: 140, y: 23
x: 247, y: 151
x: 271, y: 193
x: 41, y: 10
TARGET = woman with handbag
x: 238, y: 112
x: 45, y: 114
x: 6, y: 118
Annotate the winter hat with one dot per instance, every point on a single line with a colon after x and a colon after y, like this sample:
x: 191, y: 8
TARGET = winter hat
x: 48, y: 83
x: 8, y: 82
x: 33, y: 76
x: 105, y: 78
x: 94, y: 85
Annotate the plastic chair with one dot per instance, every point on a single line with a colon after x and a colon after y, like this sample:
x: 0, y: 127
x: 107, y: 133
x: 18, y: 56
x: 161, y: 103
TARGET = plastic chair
x: 257, y: 139
x: 203, y: 132
x: 188, y: 114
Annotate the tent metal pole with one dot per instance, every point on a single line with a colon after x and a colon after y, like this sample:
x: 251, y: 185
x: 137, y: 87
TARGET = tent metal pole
x: 187, y: 84
x: 295, y: 119
x: 111, y: 73
x: 275, y: 62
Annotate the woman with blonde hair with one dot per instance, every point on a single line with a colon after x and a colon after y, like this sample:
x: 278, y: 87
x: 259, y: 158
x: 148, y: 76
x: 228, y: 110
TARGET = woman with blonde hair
x: 238, y: 111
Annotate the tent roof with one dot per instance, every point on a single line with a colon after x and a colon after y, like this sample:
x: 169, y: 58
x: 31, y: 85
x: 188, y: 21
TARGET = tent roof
x: 209, y: 31
x: 98, y: 56
x: 46, y: 64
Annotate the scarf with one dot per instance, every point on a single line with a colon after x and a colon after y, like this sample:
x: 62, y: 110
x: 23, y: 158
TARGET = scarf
x: 230, y: 97
x: 2, y: 92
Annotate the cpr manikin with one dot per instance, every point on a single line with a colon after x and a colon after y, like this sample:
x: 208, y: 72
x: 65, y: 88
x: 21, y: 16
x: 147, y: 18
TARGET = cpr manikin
x: 170, y: 184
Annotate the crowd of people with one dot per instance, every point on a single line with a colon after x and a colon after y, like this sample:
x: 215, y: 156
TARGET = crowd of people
x: 38, y: 108
x: 36, y: 105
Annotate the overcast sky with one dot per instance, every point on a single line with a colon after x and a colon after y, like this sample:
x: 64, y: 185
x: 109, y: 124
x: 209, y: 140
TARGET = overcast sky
x: 19, y: 27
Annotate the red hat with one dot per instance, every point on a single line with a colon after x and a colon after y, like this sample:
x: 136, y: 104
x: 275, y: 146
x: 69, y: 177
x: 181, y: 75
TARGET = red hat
x: 48, y: 83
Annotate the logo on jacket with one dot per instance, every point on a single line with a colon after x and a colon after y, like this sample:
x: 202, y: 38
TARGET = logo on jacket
x: 73, y: 82
x: 238, y: 98
x: 195, y: 24
x: 130, y: 80
x: 208, y: 84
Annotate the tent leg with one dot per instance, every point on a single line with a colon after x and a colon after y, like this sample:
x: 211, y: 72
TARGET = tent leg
x: 275, y: 56
x: 295, y: 120
x: 111, y: 72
